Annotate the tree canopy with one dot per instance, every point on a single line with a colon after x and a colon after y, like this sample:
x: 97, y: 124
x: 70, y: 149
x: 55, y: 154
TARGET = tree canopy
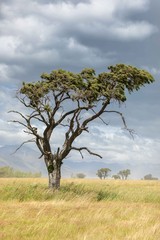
x: 86, y: 86
x: 61, y: 98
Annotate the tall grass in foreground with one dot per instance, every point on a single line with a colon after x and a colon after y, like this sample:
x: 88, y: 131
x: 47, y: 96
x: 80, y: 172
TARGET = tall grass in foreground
x: 82, y: 209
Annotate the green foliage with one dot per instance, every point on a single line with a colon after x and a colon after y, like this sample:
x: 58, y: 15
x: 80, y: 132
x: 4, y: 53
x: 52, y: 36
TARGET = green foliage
x: 103, y: 173
x: 8, y: 172
x: 86, y: 85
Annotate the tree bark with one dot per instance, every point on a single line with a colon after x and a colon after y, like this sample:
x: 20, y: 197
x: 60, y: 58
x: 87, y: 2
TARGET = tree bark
x: 54, y: 179
x: 54, y: 171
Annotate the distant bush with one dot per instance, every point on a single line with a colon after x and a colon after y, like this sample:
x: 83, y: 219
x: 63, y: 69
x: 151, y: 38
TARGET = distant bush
x: 116, y: 176
x: 80, y: 175
x: 8, y: 172
x: 149, y: 177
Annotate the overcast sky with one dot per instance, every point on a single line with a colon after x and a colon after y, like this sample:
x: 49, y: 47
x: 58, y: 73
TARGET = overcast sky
x: 41, y: 35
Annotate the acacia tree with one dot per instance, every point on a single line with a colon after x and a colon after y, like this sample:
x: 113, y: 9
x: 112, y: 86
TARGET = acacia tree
x: 103, y: 173
x: 62, y: 98
x: 124, y: 174
x: 99, y: 174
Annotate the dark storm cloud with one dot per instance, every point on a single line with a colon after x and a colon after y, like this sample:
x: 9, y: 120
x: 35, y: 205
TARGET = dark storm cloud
x: 53, y: 34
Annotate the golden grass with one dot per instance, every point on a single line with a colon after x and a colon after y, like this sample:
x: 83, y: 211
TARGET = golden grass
x: 131, y: 213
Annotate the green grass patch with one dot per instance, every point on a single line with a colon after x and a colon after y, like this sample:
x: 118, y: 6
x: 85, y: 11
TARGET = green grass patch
x: 93, y: 190
x: 105, y: 195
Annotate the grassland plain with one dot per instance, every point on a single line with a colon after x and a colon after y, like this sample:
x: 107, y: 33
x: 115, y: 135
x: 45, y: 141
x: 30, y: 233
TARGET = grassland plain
x: 82, y: 210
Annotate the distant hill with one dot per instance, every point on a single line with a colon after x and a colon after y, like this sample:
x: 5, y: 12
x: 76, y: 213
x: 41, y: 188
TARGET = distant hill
x: 27, y: 159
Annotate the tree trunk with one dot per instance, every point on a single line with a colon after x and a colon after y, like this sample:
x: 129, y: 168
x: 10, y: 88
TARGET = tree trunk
x: 54, y: 171
x: 54, y: 178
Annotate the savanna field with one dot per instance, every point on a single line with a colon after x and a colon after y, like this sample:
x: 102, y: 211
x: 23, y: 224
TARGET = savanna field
x: 82, y: 210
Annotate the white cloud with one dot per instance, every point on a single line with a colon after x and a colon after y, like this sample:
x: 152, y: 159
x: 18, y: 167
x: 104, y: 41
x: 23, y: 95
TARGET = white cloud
x: 117, y: 146
x: 4, y: 68
x: 132, y: 30
x: 9, y: 72
x: 9, y: 46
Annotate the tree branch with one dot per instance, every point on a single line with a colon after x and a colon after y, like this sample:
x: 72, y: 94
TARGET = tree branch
x: 71, y: 112
x: 38, y: 142
x: 31, y: 140
x: 84, y: 148
x: 28, y: 123
x: 15, y: 121
x: 100, y: 118
x: 131, y: 131
x: 96, y: 115
x: 18, y: 113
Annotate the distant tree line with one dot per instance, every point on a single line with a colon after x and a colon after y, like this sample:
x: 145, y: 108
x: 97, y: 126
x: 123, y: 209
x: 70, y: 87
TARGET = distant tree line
x: 104, y: 173
x: 8, y: 172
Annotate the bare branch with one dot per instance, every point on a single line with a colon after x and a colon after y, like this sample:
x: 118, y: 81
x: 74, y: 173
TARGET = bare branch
x: 15, y: 121
x: 35, y: 117
x: 27, y: 132
x: 65, y: 115
x: 22, y: 100
x: 58, y: 151
x: 12, y: 111
x: 31, y: 140
x: 39, y: 142
x: 100, y: 118
x: 64, y: 125
x: 96, y: 115
x: 42, y: 117
x: 84, y: 148
x: 78, y: 109
x: 37, y: 110
x: 131, y: 131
